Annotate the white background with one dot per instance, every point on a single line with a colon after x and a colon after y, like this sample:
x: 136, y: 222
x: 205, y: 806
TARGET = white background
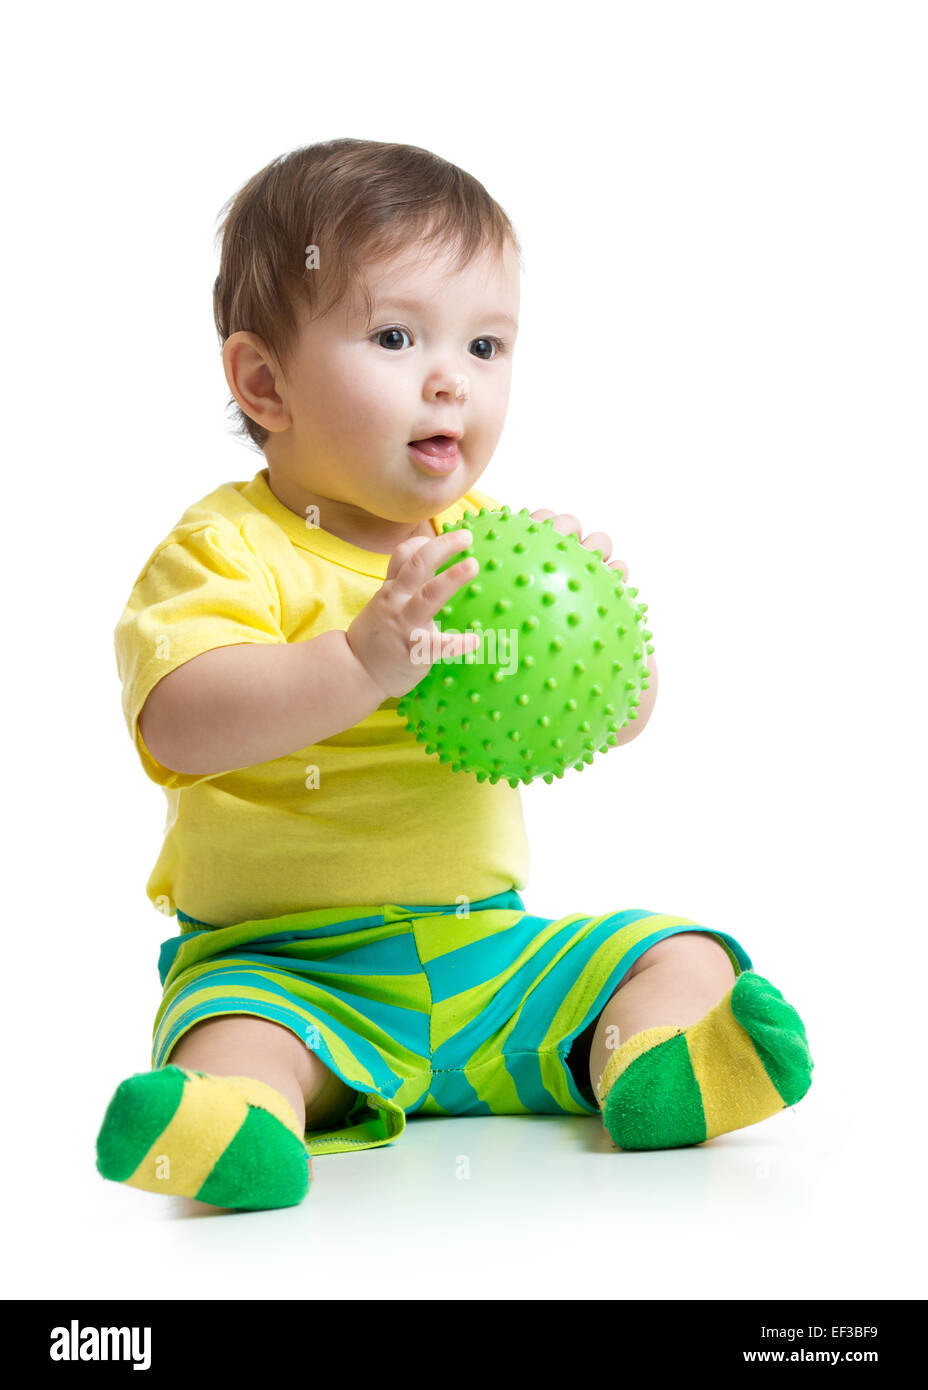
x: 722, y: 364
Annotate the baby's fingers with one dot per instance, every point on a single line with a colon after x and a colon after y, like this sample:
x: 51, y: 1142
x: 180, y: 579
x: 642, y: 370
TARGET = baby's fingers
x: 459, y: 643
x: 425, y: 601
x: 429, y: 644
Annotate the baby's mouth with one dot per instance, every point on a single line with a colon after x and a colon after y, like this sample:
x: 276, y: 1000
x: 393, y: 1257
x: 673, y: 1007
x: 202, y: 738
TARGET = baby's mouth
x: 437, y: 446
x: 436, y: 454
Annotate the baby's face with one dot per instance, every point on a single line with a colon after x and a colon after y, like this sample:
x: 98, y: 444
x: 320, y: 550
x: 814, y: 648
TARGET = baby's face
x: 435, y: 356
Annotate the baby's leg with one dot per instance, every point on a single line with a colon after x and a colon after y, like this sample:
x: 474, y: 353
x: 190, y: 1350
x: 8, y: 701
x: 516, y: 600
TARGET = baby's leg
x: 244, y: 1045
x: 225, y: 1123
x: 675, y: 982
x: 684, y: 1051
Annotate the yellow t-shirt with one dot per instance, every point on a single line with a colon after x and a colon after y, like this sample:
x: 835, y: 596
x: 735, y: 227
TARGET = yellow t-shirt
x: 387, y: 822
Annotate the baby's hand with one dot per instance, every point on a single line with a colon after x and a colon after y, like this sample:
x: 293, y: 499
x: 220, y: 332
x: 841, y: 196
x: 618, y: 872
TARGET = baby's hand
x: 399, y: 618
x: 596, y: 540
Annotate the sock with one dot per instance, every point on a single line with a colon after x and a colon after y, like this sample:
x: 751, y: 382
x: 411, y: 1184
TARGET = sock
x: 747, y: 1058
x: 229, y: 1140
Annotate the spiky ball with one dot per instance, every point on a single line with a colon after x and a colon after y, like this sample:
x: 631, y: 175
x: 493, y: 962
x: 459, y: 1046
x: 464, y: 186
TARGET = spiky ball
x: 561, y: 663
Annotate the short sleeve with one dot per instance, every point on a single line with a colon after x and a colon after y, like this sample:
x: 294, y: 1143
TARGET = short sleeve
x: 198, y: 592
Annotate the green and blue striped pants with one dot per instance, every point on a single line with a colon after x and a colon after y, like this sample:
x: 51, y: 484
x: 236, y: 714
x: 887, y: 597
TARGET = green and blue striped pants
x: 466, y: 1009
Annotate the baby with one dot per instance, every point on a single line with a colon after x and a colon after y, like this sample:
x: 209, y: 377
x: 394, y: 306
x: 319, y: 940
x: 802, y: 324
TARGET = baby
x: 353, y: 947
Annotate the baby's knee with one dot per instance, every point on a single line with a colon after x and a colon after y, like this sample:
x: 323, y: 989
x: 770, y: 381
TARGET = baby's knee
x: 246, y: 1044
x: 235, y: 1033
x: 695, y: 951
x: 237, y: 1043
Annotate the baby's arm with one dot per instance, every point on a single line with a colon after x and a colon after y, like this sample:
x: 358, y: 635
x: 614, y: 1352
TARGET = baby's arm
x: 239, y: 705
x: 249, y: 702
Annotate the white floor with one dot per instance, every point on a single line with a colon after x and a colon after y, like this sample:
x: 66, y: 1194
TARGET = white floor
x: 818, y: 1201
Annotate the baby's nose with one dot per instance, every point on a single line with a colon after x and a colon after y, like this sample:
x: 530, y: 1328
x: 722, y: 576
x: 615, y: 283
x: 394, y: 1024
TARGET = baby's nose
x: 461, y: 392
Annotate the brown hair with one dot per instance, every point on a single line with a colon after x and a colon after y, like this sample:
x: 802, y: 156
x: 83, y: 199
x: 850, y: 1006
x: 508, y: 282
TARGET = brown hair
x: 354, y: 200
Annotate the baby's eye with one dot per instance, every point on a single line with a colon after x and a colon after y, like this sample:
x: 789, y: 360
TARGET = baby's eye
x: 489, y: 342
x: 394, y: 332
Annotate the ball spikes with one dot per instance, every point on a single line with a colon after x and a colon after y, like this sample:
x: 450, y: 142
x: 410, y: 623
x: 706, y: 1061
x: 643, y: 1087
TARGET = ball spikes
x: 580, y: 653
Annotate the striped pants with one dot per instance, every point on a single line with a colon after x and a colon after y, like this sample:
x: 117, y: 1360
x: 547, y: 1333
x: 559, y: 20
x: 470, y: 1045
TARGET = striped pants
x: 467, y: 1009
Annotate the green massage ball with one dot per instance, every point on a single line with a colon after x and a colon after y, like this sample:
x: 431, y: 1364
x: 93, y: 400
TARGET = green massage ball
x: 560, y: 666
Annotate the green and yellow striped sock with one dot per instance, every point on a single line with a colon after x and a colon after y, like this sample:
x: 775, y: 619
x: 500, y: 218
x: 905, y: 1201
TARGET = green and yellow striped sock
x: 747, y: 1058
x: 229, y: 1140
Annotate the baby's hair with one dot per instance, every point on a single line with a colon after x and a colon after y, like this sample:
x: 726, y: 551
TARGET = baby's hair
x: 353, y: 200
